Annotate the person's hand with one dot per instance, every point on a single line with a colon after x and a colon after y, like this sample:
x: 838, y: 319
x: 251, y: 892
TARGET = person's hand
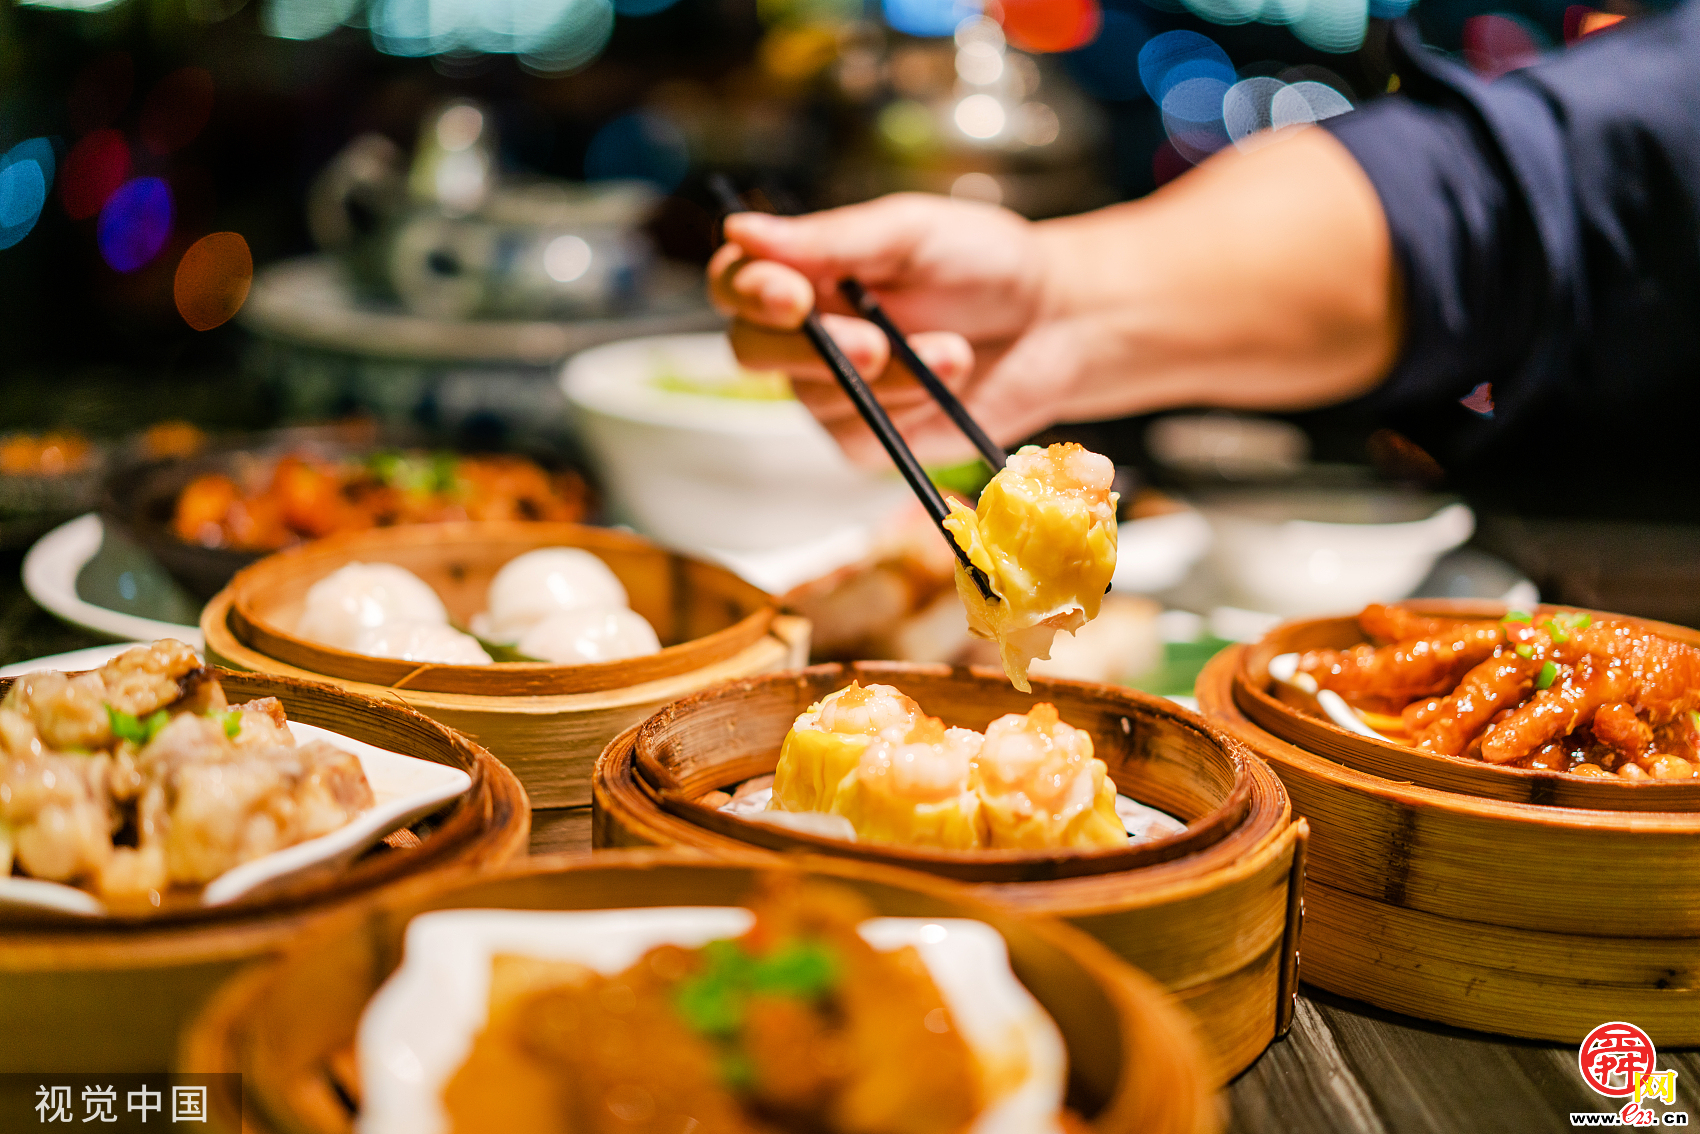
x: 933, y: 263
x: 1259, y: 280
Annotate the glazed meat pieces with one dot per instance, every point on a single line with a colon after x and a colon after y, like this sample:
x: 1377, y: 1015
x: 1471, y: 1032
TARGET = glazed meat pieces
x: 1558, y: 690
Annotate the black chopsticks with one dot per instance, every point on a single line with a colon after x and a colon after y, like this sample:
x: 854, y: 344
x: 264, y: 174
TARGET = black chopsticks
x: 874, y: 414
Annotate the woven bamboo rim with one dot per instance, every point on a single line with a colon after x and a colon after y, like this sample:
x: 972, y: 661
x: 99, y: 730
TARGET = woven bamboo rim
x: 703, y: 742
x: 1217, y: 926
x: 111, y: 992
x: 1519, y: 918
x: 1252, y: 693
x: 1135, y: 1062
x: 549, y: 742
x: 704, y: 613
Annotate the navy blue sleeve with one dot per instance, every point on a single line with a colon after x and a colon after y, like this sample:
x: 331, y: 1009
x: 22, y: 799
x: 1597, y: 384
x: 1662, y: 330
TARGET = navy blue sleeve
x: 1547, y: 232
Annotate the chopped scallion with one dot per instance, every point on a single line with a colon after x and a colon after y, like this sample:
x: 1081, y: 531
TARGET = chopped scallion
x: 1518, y: 616
x: 1549, y: 674
x: 1524, y: 651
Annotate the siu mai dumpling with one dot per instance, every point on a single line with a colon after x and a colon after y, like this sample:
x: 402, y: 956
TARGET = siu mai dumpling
x: 1044, y: 533
x: 1040, y: 787
x: 825, y: 743
x: 914, y: 789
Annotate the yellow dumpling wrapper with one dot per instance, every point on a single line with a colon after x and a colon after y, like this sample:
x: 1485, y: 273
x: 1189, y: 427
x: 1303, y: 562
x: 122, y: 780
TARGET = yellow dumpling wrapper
x: 1044, y: 532
x: 826, y: 742
x: 915, y: 791
x: 1041, y: 788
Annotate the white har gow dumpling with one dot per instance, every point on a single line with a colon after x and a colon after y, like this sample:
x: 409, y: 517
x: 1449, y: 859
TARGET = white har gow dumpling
x: 550, y: 580
x: 420, y: 642
x: 363, y: 596
x: 579, y: 637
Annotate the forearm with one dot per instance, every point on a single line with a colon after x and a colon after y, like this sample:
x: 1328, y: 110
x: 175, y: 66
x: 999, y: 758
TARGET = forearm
x: 1259, y: 280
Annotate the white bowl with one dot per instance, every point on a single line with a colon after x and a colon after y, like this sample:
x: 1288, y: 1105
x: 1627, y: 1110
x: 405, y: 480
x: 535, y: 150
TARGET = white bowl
x: 703, y: 472
x: 1301, y: 552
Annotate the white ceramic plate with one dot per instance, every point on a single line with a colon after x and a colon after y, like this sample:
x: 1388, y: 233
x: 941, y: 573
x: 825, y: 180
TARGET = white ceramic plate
x: 1143, y: 822
x: 50, y: 577
x: 405, y: 789
x: 419, y: 1028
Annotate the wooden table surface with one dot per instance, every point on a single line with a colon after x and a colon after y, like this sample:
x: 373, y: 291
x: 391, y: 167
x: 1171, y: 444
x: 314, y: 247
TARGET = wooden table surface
x: 1345, y: 1066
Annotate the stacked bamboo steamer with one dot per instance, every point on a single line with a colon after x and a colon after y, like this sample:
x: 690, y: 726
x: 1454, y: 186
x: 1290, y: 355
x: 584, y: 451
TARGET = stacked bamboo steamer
x: 1212, y: 914
x: 114, y: 993
x: 1517, y: 901
x: 288, y: 1028
x: 545, y: 722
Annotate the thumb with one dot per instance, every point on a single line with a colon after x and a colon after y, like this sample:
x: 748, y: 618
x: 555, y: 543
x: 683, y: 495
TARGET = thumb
x: 872, y: 241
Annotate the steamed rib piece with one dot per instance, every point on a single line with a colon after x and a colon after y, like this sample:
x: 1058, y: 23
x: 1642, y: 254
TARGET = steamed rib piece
x: 71, y: 712
x: 210, y: 806
x: 1447, y: 726
x: 1405, y: 671
x: 1044, y: 533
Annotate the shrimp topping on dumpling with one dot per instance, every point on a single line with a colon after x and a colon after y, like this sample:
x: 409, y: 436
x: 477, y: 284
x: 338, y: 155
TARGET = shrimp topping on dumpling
x: 1040, y: 785
x: 1044, y: 532
x: 825, y: 743
x: 914, y: 788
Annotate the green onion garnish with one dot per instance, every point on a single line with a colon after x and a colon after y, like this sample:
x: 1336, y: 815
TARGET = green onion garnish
x: 1549, y: 674
x: 126, y: 727
x: 1524, y: 651
x: 1518, y: 616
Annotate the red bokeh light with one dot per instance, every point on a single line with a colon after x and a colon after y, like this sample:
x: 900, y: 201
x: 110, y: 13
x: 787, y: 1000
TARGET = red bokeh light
x: 177, y: 109
x: 1051, y: 25
x: 95, y: 167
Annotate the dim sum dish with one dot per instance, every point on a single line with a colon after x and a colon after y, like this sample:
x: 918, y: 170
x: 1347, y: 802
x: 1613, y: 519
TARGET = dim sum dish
x: 139, y: 783
x: 1044, y: 533
x: 1450, y: 886
x: 452, y: 617
x: 1099, y: 804
x: 165, y: 822
x: 207, y: 510
x: 1592, y: 707
x: 656, y: 992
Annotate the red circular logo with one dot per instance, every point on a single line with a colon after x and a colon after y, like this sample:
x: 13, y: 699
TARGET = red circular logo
x: 1612, y: 1055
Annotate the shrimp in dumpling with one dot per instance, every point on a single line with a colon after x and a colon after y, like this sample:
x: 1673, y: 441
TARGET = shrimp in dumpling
x: 364, y: 596
x: 1044, y: 532
x: 1041, y: 788
x: 914, y: 789
x: 578, y: 637
x: 825, y: 743
x: 550, y: 580
x: 420, y: 642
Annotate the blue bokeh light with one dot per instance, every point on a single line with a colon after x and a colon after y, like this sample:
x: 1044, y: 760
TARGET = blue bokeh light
x: 639, y: 145
x: 642, y: 7
x: 135, y: 223
x: 1176, y: 57
x: 26, y: 174
x: 1107, y: 68
x: 927, y: 17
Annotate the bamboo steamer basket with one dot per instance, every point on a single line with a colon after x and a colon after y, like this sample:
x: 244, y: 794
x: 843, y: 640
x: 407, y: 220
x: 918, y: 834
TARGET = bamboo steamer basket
x: 1212, y: 915
x: 546, y: 722
x: 1508, y: 915
x: 1135, y: 1063
x: 113, y: 994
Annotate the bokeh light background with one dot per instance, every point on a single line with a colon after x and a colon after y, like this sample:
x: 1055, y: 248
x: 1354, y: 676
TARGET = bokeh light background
x: 152, y: 152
